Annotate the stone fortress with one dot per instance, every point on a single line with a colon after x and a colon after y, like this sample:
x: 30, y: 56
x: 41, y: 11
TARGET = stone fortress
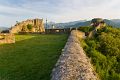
x: 30, y: 25
x: 37, y: 26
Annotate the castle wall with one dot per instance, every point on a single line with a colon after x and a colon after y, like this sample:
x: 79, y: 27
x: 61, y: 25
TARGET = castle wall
x: 73, y: 64
x: 38, y: 26
x: 7, y: 38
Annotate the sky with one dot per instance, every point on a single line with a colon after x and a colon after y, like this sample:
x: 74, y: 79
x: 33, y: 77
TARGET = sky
x: 57, y: 10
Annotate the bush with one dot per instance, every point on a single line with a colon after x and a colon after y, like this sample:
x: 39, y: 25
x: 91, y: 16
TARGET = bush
x: 29, y: 27
x: 104, y: 51
x: 84, y: 29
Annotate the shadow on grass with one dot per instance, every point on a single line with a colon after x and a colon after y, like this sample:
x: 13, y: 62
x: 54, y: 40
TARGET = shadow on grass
x: 32, y: 57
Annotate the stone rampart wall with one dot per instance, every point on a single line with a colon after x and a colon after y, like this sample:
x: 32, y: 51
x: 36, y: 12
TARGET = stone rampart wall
x: 73, y: 63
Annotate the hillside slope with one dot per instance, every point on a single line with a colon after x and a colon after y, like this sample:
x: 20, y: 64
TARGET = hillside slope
x: 104, y: 50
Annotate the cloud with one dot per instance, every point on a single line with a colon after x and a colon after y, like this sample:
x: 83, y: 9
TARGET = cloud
x: 56, y: 10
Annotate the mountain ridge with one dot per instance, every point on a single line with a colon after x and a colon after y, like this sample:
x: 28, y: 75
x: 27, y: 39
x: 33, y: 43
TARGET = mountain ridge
x: 79, y: 23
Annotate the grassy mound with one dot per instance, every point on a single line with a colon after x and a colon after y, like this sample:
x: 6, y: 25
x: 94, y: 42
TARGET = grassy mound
x: 32, y: 57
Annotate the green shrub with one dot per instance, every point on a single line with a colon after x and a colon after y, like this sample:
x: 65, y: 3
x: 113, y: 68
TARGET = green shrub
x: 29, y: 27
x: 84, y: 29
x: 104, y: 51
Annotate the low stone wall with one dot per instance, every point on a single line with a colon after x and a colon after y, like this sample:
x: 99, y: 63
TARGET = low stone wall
x: 73, y: 63
x: 7, y: 38
x: 59, y: 31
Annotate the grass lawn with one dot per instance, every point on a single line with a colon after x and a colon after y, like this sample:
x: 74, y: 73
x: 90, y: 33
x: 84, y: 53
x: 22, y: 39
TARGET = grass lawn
x: 32, y: 57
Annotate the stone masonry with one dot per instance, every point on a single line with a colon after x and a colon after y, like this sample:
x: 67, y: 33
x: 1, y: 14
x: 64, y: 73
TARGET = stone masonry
x: 73, y: 63
x: 7, y: 38
x: 38, y: 26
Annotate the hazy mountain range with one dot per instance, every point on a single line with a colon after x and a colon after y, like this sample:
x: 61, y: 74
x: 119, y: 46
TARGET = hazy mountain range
x: 3, y: 28
x: 73, y: 24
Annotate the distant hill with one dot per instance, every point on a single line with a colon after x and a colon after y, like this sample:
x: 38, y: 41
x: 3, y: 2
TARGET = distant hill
x: 3, y: 28
x: 67, y: 24
x: 113, y: 22
x: 75, y: 24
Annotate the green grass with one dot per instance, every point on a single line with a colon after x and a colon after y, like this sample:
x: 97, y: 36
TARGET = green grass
x: 32, y: 57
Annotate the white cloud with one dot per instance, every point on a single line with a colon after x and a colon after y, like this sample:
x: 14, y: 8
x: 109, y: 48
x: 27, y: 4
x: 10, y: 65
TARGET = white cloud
x: 57, y: 10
